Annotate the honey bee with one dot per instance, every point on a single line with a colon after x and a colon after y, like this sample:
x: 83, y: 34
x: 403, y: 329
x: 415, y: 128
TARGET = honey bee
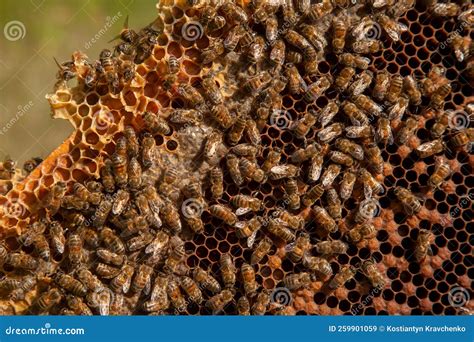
x: 315, y: 168
x: 324, y: 220
x: 391, y: 27
x: 314, y: 36
x: 440, y: 126
x: 328, y: 113
x: 303, y: 125
x: 170, y: 217
x: 355, y: 132
x: 292, y: 194
x: 234, y: 170
x: 329, y: 175
x: 339, y: 32
x: 255, y: 84
x: 35, y: 229
x: 148, y: 146
x: 354, y: 61
x: 134, y: 174
x: 341, y: 158
x: 70, y: 284
x: 233, y: 37
x: 345, y: 274
x: 303, y: 154
x: 42, y: 247
x: 192, y: 289
x: 142, y: 279
x: 293, y: 57
x: 211, y: 90
x: 368, y: 209
x: 31, y: 164
x: 444, y: 9
x: 215, y: 49
x: 297, y: 40
x: 283, y: 171
x: 462, y: 138
x: 442, y: 171
x: 108, y: 64
x: 272, y: 159
x: 293, y: 221
x: 407, y: 131
x: 430, y: 148
x: 394, y: 89
x: 351, y: 148
x: 243, y: 306
x: 159, y: 298
x: 317, y: 264
x: 384, y: 131
x: 228, y: 271
x: 250, y: 170
x: 175, y: 296
x: 362, y: 232
x: 367, y: 105
x: 89, y: 280
x: 367, y: 46
x: 217, y: 182
x: 278, y: 228
x: 297, y: 250
x: 316, y: 89
x: 103, y: 210
x: 296, y: 84
x: 245, y: 204
x: 157, y: 245
x: 223, y: 213
x: 374, y: 158
x: 319, y: 10
x: 19, y: 288
x: 252, y: 133
x: 297, y: 281
x: 312, y: 195
x: 259, y: 308
x: 48, y: 299
x: 438, y: 96
x: 248, y: 279
x: 411, y: 89
x: 155, y: 124
x: 206, y: 280
x: 371, y: 185
x: 175, y: 257
x: 75, y: 252
x: 334, y: 206
x: 52, y: 200
x: 423, y: 247
x: 233, y: 12
x: 262, y: 249
x: 110, y: 257
x: 112, y: 241
x: 460, y: 46
x: 218, y: 302
x: 78, y: 306
x: 347, y: 184
x: 381, y: 86
x: 344, y: 78
x: 277, y: 54
x: 330, y: 133
x: 410, y: 202
x: 373, y: 274
x: 256, y: 49
x: 221, y: 115
x: 190, y: 95
x: 107, y: 176
x: 106, y: 271
x: 360, y: 83
x: 237, y: 130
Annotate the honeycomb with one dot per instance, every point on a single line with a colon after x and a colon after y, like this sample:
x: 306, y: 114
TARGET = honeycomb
x: 77, y: 216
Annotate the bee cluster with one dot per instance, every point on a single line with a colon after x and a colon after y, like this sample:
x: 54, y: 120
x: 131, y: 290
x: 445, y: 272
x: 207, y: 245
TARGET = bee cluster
x: 232, y: 152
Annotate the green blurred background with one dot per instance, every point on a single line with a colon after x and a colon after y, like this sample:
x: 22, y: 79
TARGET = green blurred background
x: 32, y: 32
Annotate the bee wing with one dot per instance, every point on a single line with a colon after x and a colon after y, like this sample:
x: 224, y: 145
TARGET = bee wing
x: 242, y: 211
x: 147, y: 287
x: 289, y: 247
x: 126, y: 285
x: 251, y: 239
